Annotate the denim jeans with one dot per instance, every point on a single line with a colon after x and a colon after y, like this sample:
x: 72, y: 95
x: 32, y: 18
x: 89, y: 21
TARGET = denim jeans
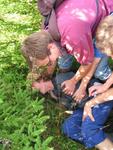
x: 103, y: 70
x: 88, y: 132
x: 65, y: 62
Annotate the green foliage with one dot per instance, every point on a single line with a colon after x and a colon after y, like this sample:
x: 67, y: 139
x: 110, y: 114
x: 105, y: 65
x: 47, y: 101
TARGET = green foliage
x: 17, y: 20
x: 22, y: 116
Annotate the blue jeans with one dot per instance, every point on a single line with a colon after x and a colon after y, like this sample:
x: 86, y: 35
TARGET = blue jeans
x: 103, y: 70
x: 87, y: 132
x: 65, y: 62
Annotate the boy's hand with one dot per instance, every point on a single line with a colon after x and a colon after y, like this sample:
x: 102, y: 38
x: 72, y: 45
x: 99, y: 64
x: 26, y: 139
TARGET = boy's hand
x: 88, y: 111
x: 39, y: 86
x: 79, y: 94
x: 68, y: 87
x: 97, y: 89
x: 43, y: 86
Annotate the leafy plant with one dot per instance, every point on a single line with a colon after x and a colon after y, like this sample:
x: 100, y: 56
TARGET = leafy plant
x: 22, y: 116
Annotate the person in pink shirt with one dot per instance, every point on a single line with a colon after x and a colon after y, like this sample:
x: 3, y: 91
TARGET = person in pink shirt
x: 76, y: 22
x: 77, y: 34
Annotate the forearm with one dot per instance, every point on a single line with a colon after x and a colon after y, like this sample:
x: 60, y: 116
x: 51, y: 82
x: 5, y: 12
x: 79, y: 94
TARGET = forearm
x: 81, y: 72
x: 101, y: 98
x: 89, y: 75
x: 109, y: 82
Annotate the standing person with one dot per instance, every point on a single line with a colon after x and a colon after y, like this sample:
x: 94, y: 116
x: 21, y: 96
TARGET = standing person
x: 76, y: 34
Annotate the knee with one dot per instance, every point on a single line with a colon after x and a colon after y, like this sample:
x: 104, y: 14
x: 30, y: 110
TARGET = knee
x: 102, y: 73
x: 98, y: 74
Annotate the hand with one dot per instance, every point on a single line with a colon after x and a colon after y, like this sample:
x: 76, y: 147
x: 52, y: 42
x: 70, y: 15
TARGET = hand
x: 68, y: 87
x: 79, y: 95
x: 88, y: 111
x: 97, y: 89
x: 43, y: 86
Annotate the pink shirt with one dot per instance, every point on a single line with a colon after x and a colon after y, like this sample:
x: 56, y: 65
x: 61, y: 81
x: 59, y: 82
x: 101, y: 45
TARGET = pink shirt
x: 75, y: 19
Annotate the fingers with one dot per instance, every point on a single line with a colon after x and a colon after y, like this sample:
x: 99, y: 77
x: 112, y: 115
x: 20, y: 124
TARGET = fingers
x: 87, y: 113
x: 68, y: 92
x: 67, y: 89
x: 63, y: 85
x: 78, y: 96
x: 92, y: 90
x: 91, y: 117
x: 84, y: 116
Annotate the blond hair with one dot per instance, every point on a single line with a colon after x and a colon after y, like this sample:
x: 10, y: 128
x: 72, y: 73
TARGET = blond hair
x: 104, y: 35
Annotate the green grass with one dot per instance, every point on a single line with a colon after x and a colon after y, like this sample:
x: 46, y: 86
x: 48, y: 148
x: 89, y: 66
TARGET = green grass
x: 28, y: 121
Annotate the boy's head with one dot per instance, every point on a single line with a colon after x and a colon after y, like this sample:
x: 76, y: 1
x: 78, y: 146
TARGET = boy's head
x: 104, y: 35
x: 40, y: 52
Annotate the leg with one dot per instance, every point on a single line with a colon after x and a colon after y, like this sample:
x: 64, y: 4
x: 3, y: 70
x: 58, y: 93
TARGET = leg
x: 65, y: 63
x: 72, y: 126
x: 105, y: 145
x: 92, y: 132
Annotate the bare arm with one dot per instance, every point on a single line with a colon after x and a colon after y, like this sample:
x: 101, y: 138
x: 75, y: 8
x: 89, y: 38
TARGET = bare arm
x: 69, y: 85
x: 109, y: 82
x: 101, y: 98
x: 84, y: 72
x: 81, y: 91
x: 89, y: 75
x: 101, y: 88
x: 81, y: 72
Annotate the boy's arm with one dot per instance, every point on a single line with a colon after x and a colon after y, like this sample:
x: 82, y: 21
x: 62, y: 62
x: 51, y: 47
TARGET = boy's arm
x: 109, y: 82
x: 101, y: 98
x: 89, y: 75
x: 69, y: 85
x: 84, y: 72
x: 101, y: 88
x: 81, y: 72
x: 78, y: 94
